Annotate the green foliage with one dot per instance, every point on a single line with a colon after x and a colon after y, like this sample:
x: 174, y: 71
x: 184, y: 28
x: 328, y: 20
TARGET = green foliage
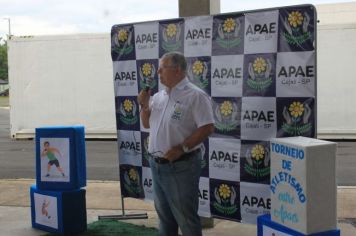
x: 3, y: 60
x: 114, y: 227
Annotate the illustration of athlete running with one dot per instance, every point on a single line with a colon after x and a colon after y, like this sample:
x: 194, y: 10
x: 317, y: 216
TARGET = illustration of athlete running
x: 52, y: 160
x: 45, y: 204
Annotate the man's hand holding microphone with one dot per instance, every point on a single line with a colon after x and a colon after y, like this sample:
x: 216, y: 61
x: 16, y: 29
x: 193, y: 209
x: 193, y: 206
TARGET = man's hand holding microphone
x: 143, y: 97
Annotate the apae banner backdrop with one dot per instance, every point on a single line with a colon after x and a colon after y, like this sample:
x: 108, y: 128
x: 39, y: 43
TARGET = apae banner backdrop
x: 259, y: 67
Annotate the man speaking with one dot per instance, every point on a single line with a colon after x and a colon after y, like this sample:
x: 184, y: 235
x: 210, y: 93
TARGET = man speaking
x: 180, y: 118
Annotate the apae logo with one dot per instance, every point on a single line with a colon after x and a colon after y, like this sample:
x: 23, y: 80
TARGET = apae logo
x: 126, y: 76
x: 258, y: 202
x: 296, y: 119
x: 132, y: 182
x: 204, y: 198
x: 128, y: 110
x: 147, y: 184
x: 257, y: 161
x: 258, y: 32
x: 256, y: 205
x: 232, y: 157
x: 225, y: 197
x: 259, y: 71
x: 122, y: 41
x: 261, y: 29
x: 147, y: 72
x: 131, y: 146
x: 177, y: 112
x: 253, y: 118
x: 171, y: 37
x: 203, y: 194
x: 226, y: 115
x: 198, y: 73
x: 202, y: 33
x: 296, y: 27
x: 292, y: 75
x: 144, y: 41
x: 228, y: 33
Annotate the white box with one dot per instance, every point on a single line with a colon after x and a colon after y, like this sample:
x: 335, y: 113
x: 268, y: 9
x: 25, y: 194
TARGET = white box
x: 303, y: 184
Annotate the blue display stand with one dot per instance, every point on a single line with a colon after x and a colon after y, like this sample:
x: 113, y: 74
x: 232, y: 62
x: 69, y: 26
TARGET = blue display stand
x: 267, y: 227
x: 60, y: 158
x: 58, y: 212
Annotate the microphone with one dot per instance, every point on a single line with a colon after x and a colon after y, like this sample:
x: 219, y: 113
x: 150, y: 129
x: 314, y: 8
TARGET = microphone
x: 148, y: 85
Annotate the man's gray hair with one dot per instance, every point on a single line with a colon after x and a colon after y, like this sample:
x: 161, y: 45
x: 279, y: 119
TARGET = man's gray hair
x: 177, y: 59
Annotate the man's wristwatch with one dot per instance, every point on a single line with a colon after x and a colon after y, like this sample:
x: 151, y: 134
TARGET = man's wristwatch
x: 185, y: 148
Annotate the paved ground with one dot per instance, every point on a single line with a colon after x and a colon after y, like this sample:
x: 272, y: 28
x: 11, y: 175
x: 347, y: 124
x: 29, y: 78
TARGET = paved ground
x: 103, y: 198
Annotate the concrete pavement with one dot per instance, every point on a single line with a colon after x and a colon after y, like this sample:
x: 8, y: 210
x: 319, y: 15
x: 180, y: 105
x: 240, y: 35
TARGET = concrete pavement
x: 103, y: 198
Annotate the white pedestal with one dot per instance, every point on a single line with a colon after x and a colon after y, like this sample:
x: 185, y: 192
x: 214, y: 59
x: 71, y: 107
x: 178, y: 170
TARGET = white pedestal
x: 303, y: 184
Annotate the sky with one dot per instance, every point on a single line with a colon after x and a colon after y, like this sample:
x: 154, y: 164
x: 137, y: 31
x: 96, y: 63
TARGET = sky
x: 53, y: 17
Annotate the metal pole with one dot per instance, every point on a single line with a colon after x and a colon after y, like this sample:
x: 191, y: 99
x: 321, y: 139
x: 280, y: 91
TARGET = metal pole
x: 9, y: 23
x: 124, y: 216
x: 9, y: 28
x: 122, y: 205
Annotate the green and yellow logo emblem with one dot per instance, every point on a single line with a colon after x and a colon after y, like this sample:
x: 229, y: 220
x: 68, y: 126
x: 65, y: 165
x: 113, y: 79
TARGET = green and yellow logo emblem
x: 198, y: 74
x: 226, y: 116
x: 257, y: 161
x: 128, y: 110
x: 132, y: 182
x: 122, y: 42
x: 170, y: 35
x: 258, y: 153
x: 296, y: 119
x: 122, y: 35
x: 225, y: 199
x: 171, y: 30
x: 147, y: 72
x: 228, y: 33
x: 296, y: 26
x: 177, y: 113
x: 259, y: 78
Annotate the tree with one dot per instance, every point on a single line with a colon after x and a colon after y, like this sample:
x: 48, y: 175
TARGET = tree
x: 3, y: 60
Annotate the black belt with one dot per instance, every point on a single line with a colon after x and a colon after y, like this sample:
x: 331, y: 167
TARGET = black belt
x: 184, y: 157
